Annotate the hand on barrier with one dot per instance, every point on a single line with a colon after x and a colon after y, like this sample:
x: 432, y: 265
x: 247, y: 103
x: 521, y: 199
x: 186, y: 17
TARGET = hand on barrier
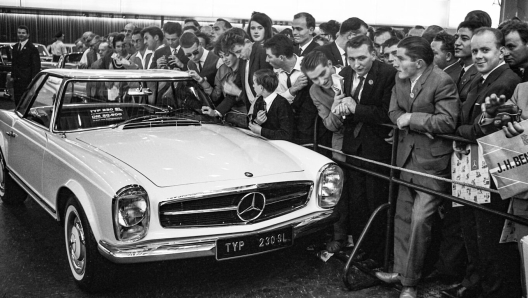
x: 512, y: 129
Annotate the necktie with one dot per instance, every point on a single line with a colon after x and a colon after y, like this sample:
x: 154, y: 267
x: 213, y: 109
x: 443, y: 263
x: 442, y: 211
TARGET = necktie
x: 300, y: 51
x: 358, y: 89
x: 356, y: 98
x: 345, y: 62
x: 259, y: 104
x: 288, y: 79
x: 20, y: 47
x: 200, y: 66
x: 461, y: 75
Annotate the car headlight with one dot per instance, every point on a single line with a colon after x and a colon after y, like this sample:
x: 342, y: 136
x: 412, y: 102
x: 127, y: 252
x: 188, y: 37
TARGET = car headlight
x: 131, y: 213
x: 330, y: 185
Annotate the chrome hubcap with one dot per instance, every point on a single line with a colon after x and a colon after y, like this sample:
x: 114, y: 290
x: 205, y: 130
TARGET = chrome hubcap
x: 76, y: 245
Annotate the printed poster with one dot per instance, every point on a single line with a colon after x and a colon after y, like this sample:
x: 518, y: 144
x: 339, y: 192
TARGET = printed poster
x: 472, y: 169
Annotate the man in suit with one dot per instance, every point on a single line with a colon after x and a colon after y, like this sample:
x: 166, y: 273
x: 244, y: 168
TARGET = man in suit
x: 335, y: 51
x: 463, y: 52
x: 389, y: 49
x: 493, y: 269
x: 303, y: 27
x: 365, y: 103
x: 443, y: 46
x: 516, y: 49
x: 252, y: 58
x: 202, y: 64
x: 171, y: 55
x: 25, y: 64
x: 381, y: 35
x: 219, y: 28
x: 294, y: 86
x: 424, y: 101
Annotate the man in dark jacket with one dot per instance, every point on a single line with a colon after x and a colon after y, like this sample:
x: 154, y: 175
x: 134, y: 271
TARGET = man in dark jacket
x: 26, y: 62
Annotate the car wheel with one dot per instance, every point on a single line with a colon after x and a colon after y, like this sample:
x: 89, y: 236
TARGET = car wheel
x: 90, y: 269
x: 10, y: 192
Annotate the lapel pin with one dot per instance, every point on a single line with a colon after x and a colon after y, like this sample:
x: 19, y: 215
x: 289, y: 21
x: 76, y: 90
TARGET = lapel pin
x: 371, y: 82
x: 412, y: 95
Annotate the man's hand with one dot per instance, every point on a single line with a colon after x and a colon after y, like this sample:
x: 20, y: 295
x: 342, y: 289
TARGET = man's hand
x: 350, y: 103
x: 231, y: 88
x: 491, y: 105
x: 195, y: 76
x: 161, y: 62
x: 208, y: 111
x: 341, y: 110
x: 174, y: 62
x: 301, y: 82
x: 255, y: 128
x: 404, y: 120
x: 512, y: 129
x: 261, y: 117
x: 390, y: 138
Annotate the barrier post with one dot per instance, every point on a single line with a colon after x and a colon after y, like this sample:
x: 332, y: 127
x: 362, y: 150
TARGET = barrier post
x: 392, y: 201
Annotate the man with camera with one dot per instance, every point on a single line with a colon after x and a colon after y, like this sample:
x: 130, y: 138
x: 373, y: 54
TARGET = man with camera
x: 171, y: 56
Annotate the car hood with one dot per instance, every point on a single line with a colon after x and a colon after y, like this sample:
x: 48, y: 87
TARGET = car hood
x: 170, y: 156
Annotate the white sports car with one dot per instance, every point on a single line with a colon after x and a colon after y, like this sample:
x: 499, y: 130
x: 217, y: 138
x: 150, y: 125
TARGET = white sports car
x: 127, y: 163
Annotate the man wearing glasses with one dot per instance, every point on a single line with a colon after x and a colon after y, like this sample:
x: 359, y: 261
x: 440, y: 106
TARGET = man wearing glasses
x: 202, y: 64
x: 335, y: 51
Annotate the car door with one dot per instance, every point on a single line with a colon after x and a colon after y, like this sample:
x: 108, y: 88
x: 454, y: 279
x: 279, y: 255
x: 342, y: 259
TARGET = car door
x: 26, y: 141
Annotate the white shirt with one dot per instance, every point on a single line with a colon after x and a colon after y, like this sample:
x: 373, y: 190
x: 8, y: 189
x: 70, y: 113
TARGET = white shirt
x: 283, y: 89
x: 249, y: 94
x: 269, y: 100
x: 175, y: 51
x: 414, y: 82
x: 302, y: 48
x: 355, y: 84
x: 343, y: 54
x: 484, y: 76
x: 467, y: 67
x: 144, y: 57
x: 23, y: 43
x: 58, y: 48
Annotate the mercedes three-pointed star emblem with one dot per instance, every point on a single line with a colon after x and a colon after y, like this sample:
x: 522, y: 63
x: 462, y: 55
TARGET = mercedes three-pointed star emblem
x: 251, y: 206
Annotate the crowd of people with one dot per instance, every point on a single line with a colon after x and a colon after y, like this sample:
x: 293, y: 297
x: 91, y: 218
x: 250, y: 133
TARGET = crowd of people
x: 354, y: 78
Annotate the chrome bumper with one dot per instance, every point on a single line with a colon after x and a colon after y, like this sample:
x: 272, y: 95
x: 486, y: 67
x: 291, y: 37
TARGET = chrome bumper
x: 205, y: 246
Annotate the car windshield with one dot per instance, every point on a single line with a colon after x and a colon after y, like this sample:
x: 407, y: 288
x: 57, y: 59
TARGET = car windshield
x: 93, y: 104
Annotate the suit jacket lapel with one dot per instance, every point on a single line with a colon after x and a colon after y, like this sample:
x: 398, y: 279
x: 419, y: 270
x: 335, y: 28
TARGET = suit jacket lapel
x: 348, y: 78
x: 418, y: 86
x: 367, y: 86
x: 336, y: 53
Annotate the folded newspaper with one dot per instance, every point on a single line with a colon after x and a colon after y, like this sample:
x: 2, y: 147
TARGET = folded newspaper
x: 507, y: 159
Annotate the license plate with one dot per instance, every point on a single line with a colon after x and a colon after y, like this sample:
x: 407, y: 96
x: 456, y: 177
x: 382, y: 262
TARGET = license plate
x: 242, y: 246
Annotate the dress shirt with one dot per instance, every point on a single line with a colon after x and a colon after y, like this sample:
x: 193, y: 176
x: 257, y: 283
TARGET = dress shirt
x: 282, y: 89
x: 302, y: 48
x: 355, y: 83
x: 269, y: 100
x: 249, y: 94
x: 414, y: 82
x: 23, y: 44
x: 144, y: 57
x: 467, y: 67
x: 174, y: 51
x: 484, y: 76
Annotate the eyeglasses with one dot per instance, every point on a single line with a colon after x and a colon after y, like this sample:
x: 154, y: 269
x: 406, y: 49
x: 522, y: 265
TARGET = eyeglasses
x: 194, y: 53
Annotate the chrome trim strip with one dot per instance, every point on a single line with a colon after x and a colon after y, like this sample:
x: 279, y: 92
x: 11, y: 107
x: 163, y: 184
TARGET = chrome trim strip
x: 34, y: 196
x: 233, y: 190
x: 225, y: 209
x: 286, y: 197
x: 171, y: 249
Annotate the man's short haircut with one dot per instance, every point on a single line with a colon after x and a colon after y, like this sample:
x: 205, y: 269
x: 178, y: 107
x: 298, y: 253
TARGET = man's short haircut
x: 137, y: 31
x: 264, y: 21
x: 173, y: 28
x: 331, y: 27
x: 310, y: 20
x: 312, y: 60
x: 119, y: 37
x: 24, y: 27
x: 206, y: 38
x: 519, y: 27
x: 232, y: 37
x: 382, y: 30
x: 417, y: 47
x: 448, y: 42
x: 419, y: 27
x: 227, y: 25
x: 280, y: 45
x: 358, y: 41
x: 352, y: 24
x: 188, y: 39
x: 59, y: 34
x: 153, y: 31
x: 190, y: 28
x: 479, y: 16
x: 391, y: 42
x: 267, y: 78
x: 499, y: 38
x: 471, y: 25
x: 431, y: 31
x: 195, y: 22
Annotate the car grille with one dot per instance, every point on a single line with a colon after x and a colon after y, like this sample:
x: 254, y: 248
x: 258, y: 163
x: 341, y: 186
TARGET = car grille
x: 221, y: 208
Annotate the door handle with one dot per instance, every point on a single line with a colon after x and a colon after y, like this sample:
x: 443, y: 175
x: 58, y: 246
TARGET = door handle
x: 11, y: 134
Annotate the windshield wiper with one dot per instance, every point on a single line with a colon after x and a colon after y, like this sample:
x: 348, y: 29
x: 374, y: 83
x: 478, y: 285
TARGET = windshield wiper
x: 153, y: 117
